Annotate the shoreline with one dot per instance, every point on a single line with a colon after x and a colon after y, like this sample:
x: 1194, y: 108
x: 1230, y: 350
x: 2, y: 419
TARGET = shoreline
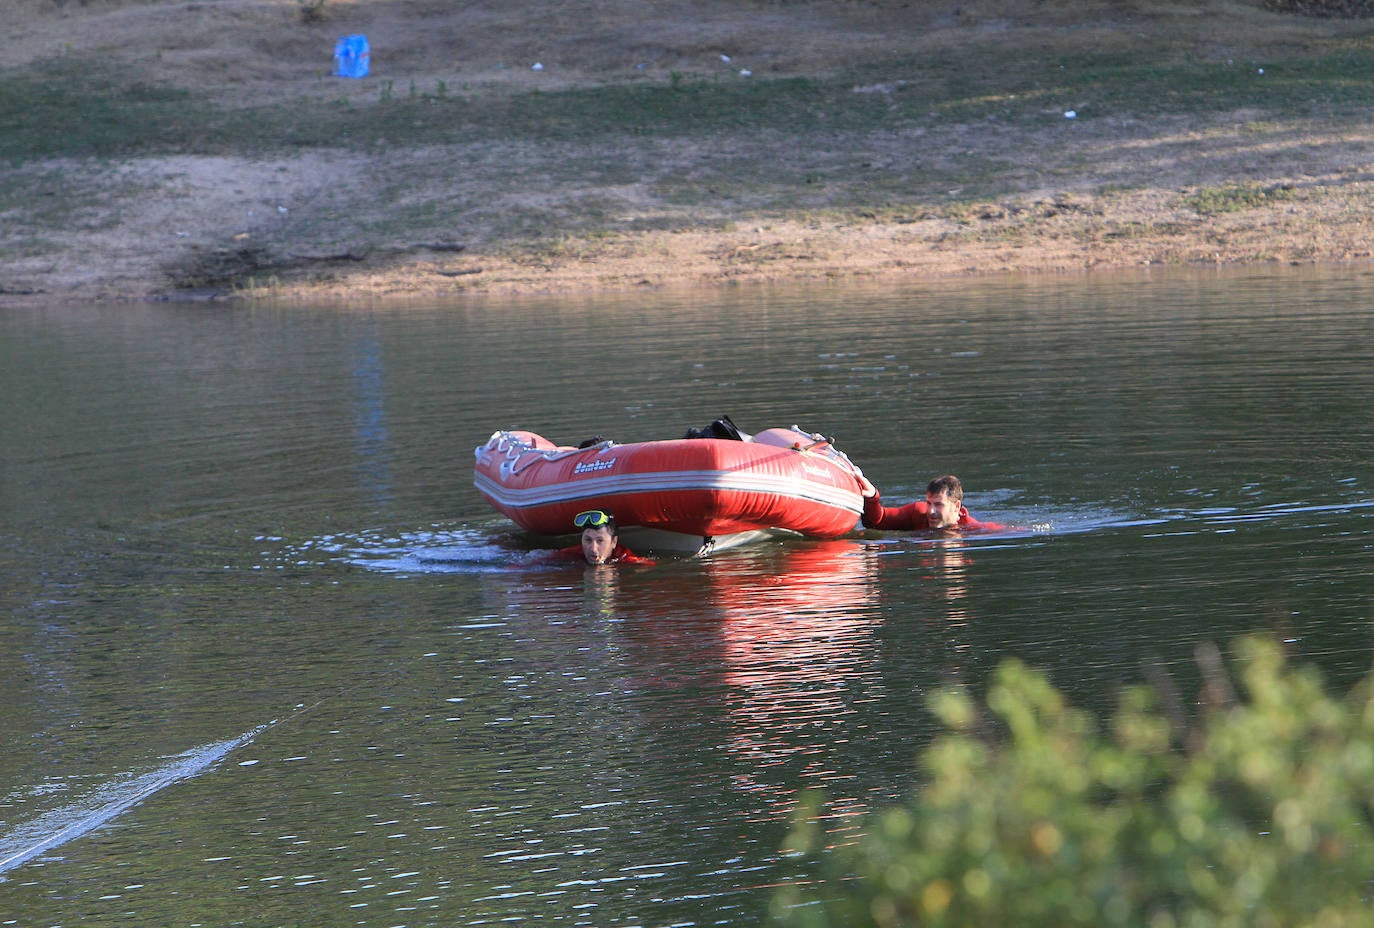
x: 1320, y: 224
x: 792, y: 253
x: 853, y: 147
x: 1083, y: 236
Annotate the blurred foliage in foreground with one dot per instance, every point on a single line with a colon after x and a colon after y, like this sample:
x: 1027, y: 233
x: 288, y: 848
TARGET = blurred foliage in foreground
x: 1255, y: 813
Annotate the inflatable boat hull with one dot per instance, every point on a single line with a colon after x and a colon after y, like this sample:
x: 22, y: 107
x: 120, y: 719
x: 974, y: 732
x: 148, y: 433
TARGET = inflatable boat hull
x: 701, y: 488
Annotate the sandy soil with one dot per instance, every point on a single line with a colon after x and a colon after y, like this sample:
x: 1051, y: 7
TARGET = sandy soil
x: 1119, y: 201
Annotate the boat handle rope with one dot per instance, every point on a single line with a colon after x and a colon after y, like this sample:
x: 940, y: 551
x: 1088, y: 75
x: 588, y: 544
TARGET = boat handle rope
x: 839, y: 456
x: 515, y: 449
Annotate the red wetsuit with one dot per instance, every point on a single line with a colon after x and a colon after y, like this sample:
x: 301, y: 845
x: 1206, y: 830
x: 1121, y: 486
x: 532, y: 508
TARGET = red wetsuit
x: 914, y: 517
x: 621, y: 555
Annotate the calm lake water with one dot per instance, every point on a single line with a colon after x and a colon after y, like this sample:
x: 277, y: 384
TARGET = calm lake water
x: 268, y: 659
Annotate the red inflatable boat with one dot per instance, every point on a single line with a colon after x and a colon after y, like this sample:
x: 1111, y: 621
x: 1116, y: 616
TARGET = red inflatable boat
x: 688, y: 493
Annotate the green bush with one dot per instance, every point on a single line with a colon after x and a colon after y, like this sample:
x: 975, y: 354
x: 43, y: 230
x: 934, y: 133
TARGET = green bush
x: 1256, y: 813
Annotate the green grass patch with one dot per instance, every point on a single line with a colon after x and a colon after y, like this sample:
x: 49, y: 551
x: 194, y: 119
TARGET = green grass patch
x: 77, y: 109
x: 64, y: 110
x: 1233, y: 198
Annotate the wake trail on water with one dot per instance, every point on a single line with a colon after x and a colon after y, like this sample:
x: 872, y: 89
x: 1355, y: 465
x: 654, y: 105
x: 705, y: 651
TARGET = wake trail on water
x: 59, y: 826
x: 422, y: 551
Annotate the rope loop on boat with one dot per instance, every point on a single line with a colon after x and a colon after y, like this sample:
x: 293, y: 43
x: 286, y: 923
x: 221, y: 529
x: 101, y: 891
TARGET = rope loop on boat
x: 831, y: 451
x: 521, y: 454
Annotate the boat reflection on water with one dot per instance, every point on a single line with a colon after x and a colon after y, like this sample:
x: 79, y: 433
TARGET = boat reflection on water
x: 759, y: 671
x: 781, y: 643
x: 801, y: 654
x: 827, y: 655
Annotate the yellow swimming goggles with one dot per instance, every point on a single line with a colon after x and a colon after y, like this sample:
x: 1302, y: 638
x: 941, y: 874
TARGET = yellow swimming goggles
x: 592, y: 518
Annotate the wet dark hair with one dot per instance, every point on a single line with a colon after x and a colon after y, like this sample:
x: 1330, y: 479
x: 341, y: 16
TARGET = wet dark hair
x: 946, y: 485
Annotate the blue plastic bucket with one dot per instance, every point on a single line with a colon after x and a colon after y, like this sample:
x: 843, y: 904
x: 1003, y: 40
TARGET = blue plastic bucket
x: 352, y: 57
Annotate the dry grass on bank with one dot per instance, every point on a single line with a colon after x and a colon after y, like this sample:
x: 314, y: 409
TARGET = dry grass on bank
x: 888, y: 148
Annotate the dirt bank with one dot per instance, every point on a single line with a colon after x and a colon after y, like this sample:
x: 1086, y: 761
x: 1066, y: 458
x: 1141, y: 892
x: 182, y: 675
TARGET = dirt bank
x: 1060, y: 185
